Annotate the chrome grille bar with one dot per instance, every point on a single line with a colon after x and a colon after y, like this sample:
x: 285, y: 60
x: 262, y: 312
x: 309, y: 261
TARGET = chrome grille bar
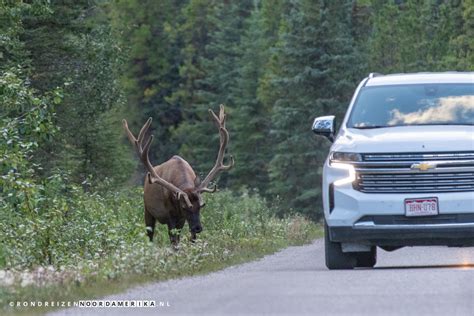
x: 439, y: 163
x: 418, y: 156
x: 407, y: 189
x: 371, y: 224
x: 392, y: 173
x: 417, y: 183
x: 418, y: 176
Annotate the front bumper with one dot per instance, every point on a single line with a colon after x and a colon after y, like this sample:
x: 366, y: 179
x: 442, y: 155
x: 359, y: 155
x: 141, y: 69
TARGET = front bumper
x: 449, y: 235
x: 452, y: 230
x: 380, y: 220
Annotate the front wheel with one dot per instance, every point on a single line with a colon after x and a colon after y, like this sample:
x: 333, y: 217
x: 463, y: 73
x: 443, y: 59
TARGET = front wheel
x: 335, y: 258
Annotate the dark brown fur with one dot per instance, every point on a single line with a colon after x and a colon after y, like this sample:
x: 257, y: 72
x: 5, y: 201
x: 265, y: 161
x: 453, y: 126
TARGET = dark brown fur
x: 162, y: 205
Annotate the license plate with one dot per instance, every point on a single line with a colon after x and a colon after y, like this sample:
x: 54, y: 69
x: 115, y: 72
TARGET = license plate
x: 421, y: 207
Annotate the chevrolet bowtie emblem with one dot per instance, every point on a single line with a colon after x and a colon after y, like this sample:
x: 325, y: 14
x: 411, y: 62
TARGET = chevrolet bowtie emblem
x: 424, y: 166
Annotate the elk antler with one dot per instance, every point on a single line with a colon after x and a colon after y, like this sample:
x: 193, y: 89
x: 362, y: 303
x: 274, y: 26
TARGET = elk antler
x: 224, y: 140
x: 142, y: 149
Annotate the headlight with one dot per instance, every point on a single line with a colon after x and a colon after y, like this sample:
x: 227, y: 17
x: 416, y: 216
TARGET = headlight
x: 337, y: 156
x: 351, y: 174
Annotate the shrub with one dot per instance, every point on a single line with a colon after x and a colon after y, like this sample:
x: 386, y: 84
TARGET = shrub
x: 69, y: 227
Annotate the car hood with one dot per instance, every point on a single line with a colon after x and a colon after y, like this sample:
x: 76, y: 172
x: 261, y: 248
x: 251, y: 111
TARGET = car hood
x: 406, y: 139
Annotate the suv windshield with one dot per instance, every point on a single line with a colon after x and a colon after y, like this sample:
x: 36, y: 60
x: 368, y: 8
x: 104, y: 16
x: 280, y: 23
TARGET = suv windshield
x: 419, y: 104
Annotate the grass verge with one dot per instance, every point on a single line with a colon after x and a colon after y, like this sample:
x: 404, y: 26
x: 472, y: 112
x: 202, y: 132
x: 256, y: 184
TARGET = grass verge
x: 237, y: 229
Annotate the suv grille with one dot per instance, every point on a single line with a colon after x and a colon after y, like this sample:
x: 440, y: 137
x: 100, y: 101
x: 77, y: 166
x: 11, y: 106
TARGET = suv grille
x: 402, y: 173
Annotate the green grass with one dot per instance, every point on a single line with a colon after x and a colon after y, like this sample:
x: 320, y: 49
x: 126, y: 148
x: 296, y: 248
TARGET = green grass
x: 102, y: 247
x: 99, y: 288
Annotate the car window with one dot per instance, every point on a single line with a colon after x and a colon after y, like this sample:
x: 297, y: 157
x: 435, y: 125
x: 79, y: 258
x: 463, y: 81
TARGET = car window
x: 420, y: 104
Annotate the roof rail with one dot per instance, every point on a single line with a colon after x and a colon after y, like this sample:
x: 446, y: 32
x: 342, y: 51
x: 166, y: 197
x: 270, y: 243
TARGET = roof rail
x: 374, y: 74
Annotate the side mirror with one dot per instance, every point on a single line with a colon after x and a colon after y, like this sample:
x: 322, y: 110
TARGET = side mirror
x: 325, y: 126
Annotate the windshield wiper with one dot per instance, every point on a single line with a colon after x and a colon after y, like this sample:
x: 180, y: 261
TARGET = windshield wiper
x: 370, y: 126
x: 450, y: 124
x: 423, y: 124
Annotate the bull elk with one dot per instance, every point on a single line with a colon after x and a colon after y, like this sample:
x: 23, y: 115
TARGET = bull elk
x: 172, y: 192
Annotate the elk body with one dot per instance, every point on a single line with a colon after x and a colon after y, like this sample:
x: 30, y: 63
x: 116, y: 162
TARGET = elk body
x: 172, y: 191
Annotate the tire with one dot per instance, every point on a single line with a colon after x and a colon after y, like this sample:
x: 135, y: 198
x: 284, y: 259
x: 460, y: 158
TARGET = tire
x: 335, y: 258
x: 367, y: 259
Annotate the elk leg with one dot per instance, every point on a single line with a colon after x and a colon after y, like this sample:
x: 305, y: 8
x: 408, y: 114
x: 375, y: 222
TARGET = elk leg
x: 174, y: 236
x: 150, y: 225
x: 174, y: 230
x: 179, y: 226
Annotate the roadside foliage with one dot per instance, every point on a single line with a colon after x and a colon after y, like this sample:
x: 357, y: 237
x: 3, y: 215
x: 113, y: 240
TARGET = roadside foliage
x: 90, y: 238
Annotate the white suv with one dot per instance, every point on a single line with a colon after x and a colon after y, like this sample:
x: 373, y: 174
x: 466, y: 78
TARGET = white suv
x: 401, y: 169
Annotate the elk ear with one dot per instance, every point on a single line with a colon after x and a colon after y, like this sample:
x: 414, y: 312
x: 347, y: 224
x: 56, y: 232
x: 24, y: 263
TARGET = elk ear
x: 197, y: 181
x: 201, y: 201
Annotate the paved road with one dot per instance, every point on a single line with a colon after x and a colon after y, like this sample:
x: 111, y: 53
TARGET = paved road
x: 410, y: 281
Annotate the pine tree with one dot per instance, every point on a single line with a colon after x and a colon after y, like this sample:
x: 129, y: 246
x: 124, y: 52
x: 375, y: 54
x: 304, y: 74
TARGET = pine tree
x: 316, y: 77
x: 250, y: 145
x: 416, y: 35
x: 272, y: 13
x: 413, y: 27
x: 460, y: 55
x: 384, y: 48
x: 148, y: 34
x: 73, y: 45
x: 209, y: 76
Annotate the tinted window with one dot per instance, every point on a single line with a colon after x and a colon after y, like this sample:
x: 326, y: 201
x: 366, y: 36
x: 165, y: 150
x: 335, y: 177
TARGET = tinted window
x: 401, y: 105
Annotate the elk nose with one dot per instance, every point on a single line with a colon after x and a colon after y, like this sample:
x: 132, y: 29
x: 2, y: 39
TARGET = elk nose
x: 197, y: 229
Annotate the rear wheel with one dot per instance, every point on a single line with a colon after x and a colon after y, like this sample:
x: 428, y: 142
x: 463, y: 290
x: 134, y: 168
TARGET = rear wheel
x: 367, y: 259
x: 335, y: 258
